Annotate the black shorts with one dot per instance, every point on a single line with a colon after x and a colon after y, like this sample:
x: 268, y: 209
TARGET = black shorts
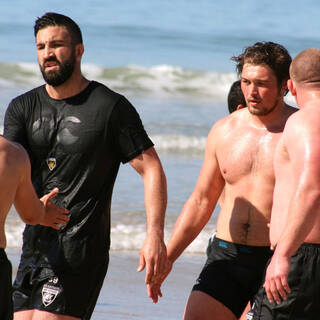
x: 73, y: 294
x: 5, y: 287
x: 303, y: 302
x: 232, y: 273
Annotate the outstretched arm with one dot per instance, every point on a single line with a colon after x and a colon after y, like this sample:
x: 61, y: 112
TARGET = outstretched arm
x: 153, y: 255
x: 30, y: 208
x: 198, y: 208
x: 200, y: 205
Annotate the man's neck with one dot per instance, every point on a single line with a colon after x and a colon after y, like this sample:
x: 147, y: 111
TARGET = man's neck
x: 273, y: 121
x: 70, y: 88
x: 309, y: 99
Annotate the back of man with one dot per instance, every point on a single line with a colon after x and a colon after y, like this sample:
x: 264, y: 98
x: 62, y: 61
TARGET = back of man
x: 11, y: 170
x: 292, y: 277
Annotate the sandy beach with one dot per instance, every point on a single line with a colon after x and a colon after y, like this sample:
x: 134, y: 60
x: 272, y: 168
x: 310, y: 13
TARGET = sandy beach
x: 123, y: 295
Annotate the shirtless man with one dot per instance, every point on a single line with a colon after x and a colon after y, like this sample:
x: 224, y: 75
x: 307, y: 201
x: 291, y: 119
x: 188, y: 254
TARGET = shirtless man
x: 17, y: 188
x: 292, y: 278
x: 243, y: 166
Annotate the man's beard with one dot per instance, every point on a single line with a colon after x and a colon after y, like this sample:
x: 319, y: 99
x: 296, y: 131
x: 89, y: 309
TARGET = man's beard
x: 263, y: 111
x: 56, y: 78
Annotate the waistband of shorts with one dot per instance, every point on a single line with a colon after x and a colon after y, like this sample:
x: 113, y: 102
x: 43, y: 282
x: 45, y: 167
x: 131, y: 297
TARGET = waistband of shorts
x: 309, y: 246
x: 241, y: 248
x: 306, y: 245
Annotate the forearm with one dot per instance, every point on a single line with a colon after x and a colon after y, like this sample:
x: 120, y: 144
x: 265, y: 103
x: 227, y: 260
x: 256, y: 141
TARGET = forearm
x: 192, y: 219
x: 155, y: 201
x: 28, y: 206
x: 33, y: 216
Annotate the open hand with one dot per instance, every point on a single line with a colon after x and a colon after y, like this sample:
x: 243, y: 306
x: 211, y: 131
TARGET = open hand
x: 54, y: 216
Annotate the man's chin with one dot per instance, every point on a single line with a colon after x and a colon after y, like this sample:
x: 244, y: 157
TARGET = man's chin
x: 254, y: 110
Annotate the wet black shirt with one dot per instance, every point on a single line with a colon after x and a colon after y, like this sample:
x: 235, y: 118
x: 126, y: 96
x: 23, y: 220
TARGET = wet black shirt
x: 75, y: 144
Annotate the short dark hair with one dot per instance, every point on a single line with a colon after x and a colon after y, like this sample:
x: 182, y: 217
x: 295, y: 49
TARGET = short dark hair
x: 272, y: 54
x: 235, y: 96
x: 51, y: 19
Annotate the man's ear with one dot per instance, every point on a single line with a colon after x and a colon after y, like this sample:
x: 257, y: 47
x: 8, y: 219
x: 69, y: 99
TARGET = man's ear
x: 291, y: 87
x: 240, y: 106
x: 79, y: 50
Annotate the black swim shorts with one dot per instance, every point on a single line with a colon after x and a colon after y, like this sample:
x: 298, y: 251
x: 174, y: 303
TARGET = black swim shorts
x: 303, y: 302
x: 5, y: 287
x: 73, y: 294
x: 232, y: 273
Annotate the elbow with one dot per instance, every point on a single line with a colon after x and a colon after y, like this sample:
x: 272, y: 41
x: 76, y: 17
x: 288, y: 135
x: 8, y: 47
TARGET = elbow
x: 203, y: 205
x: 203, y: 201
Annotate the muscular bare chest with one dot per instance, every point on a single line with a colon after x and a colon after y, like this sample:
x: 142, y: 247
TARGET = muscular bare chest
x: 247, y: 154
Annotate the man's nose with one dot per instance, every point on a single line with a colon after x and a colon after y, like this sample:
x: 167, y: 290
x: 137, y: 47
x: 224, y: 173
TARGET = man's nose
x: 253, y: 90
x: 48, y: 52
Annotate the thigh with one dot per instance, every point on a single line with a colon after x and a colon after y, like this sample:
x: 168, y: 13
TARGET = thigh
x: 40, y: 315
x: 222, y: 279
x: 201, y: 306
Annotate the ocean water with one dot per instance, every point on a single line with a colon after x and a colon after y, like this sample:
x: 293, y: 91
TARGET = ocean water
x: 172, y: 60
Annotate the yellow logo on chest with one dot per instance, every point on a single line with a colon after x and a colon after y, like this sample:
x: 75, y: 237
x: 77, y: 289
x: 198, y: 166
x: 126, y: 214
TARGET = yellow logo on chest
x: 52, y: 163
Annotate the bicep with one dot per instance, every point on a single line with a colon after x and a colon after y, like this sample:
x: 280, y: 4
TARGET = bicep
x: 210, y: 182
x: 146, y: 160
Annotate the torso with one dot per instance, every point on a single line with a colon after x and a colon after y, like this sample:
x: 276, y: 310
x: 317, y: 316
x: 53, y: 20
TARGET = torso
x: 286, y: 179
x: 245, y: 156
x: 76, y: 145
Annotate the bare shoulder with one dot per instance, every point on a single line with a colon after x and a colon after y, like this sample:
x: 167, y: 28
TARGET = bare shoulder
x: 303, y: 126
x: 304, y: 117
x: 226, y: 125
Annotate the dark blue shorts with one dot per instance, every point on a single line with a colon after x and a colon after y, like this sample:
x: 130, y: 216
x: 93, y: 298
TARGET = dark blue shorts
x: 233, y: 273
x: 303, y: 302
x: 5, y: 287
x: 73, y: 294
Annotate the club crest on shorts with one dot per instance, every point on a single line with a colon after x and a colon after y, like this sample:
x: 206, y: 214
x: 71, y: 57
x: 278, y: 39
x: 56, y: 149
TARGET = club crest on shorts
x: 49, y: 291
x: 51, y: 162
